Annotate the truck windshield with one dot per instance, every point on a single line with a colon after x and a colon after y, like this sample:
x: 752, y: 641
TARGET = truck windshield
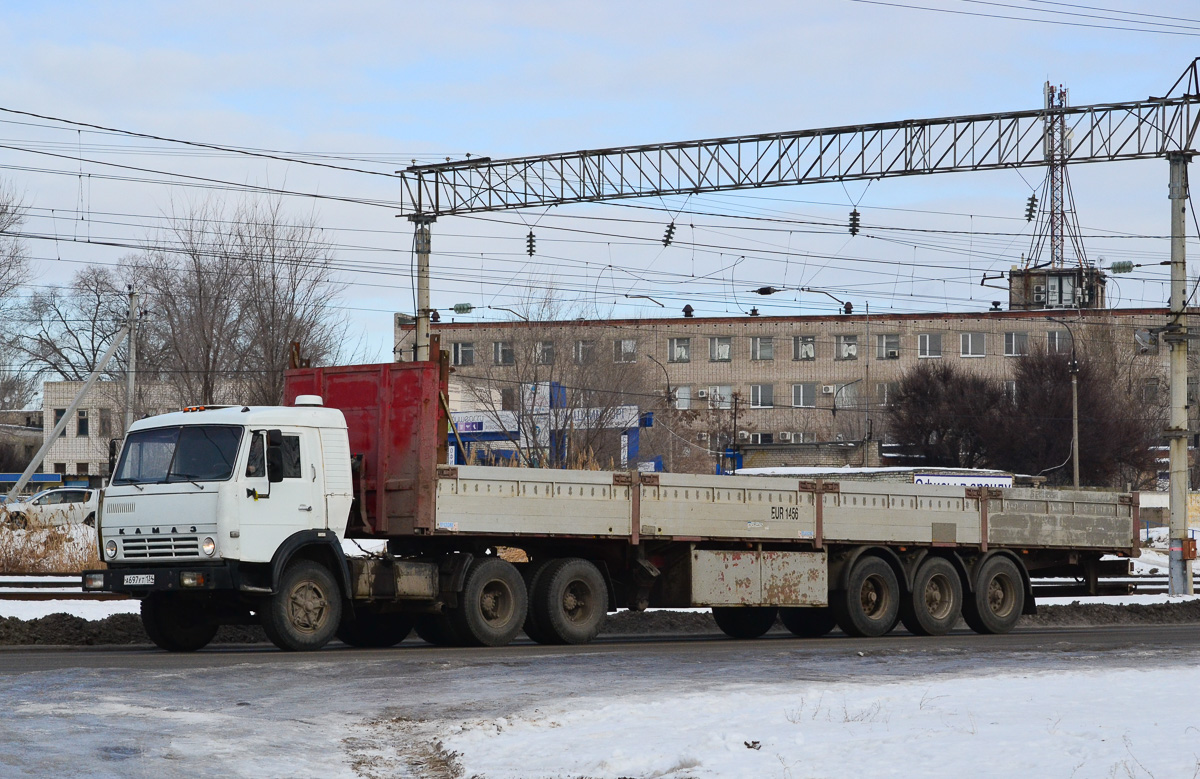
x: 170, y: 454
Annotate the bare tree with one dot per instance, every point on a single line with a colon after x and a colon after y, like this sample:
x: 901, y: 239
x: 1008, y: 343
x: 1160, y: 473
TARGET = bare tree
x: 17, y: 387
x: 71, y: 327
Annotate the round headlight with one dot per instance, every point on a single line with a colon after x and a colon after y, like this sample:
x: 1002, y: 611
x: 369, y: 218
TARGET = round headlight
x: 209, y: 547
x: 110, y: 548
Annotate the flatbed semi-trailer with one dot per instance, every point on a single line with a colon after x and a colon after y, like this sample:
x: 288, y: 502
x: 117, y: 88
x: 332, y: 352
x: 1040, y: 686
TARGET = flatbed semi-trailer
x: 239, y: 514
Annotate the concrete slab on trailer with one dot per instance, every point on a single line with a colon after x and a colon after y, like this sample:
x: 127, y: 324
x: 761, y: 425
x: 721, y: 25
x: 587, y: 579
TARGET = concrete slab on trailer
x: 1060, y: 518
x: 900, y: 514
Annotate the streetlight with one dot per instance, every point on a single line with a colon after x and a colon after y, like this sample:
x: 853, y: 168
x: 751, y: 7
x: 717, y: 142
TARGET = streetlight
x: 665, y: 374
x: 1073, y: 367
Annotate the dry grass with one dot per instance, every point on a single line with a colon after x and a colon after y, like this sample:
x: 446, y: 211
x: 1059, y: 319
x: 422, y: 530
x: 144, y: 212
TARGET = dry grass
x: 66, y: 549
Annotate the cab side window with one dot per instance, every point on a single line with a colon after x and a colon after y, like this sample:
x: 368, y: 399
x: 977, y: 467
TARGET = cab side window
x: 291, y: 457
x: 256, y: 463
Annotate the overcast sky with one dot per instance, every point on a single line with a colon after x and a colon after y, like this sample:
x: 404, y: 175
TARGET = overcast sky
x: 386, y: 83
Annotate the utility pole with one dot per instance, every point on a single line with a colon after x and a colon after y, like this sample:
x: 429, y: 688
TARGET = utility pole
x: 422, y: 245
x: 131, y: 367
x: 1176, y: 337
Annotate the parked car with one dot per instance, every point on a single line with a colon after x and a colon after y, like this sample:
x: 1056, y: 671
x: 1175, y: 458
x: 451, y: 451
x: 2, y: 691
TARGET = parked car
x: 58, y: 506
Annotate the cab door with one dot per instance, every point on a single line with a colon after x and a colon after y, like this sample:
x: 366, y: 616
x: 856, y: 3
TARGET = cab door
x: 274, y: 510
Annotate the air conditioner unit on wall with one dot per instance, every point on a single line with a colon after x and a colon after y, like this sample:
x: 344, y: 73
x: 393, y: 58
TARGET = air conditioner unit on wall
x: 785, y: 436
x: 1039, y: 294
x: 701, y: 436
x: 743, y: 435
x: 702, y: 394
x: 827, y: 389
x: 893, y: 354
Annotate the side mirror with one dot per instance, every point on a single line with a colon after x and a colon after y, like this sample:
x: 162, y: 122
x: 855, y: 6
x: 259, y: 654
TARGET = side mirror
x: 275, y: 438
x: 274, y: 464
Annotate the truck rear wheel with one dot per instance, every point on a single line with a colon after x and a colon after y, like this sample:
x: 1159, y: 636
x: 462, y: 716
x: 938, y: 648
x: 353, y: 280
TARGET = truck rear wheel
x: 532, y: 627
x: 870, y: 604
x: 808, y: 622
x: 744, y: 621
x: 492, y: 604
x: 437, y: 629
x: 366, y: 629
x: 306, y: 610
x: 935, y: 604
x: 176, y: 625
x: 570, y: 602
x: 999, y: 597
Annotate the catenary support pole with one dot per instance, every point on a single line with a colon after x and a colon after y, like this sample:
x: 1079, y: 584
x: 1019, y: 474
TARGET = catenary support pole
x: 421, y: 224
x: 62, y: 423
x: 1176, y: 337
x: 131, y: 367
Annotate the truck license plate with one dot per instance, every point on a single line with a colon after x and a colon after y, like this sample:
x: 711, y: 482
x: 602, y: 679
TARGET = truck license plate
x: 139, y: 578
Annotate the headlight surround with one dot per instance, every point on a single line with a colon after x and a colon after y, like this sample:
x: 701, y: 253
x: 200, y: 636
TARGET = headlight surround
x: 110, y: 549
x: 208, y: 546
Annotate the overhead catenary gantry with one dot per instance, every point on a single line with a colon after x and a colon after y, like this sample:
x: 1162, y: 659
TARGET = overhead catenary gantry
x: 1155, y: 127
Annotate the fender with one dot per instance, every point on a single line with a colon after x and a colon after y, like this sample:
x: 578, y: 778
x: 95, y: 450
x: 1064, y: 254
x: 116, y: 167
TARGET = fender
x: 326, y: 541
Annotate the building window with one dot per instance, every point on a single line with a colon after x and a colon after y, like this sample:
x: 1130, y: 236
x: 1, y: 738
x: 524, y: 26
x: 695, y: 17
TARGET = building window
x: 543, y: 353
x: 847, y: 347
x: 720, y: 396
x: 804, y: 347
x: 81, y: 469
x: 679, y: 350
x: 81, y: 423
x: 887, y: 346
x: 463, y: 353
x: 60, y: 468
x: 1016, y: 344
x: 846, y: 395
x: 762, y: 395
x: 720, y: 349
x: 762, y: 348
x: 585, y: 352
x: 762, y: 438
x: 972, y: 345
x: 502, y: 353
x: 885, y: 392
x: 929, y: 345
x: 683, y: 398
x: 508, y: 399
x: 1058, y: 341
x: 1010, y: 391
x: 59, y: 413
x: 804, y: 395
x: 625, y: 350
x: 106, y: 423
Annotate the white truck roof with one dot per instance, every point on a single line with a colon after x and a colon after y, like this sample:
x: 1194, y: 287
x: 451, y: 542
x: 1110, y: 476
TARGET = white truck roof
x: 253, y: 416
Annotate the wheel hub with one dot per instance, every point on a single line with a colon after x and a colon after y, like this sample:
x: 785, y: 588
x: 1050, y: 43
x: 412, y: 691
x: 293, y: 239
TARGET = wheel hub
x: 308, y: 607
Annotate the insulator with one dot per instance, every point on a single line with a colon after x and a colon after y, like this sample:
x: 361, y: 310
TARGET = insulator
x: 530, y: 243
x: 669, y: 235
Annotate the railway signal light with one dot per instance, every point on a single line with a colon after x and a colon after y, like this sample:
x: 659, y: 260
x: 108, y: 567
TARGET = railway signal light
x: 530, y: 244
x: 669, y: 235
x: 1031, y: 208
x: 854, y: 222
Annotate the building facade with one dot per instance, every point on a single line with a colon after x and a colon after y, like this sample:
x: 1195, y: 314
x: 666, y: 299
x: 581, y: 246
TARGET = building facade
x: 800, y: 379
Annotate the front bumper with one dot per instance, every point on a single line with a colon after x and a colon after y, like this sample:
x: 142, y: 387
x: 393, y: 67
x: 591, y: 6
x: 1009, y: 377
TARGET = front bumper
x: 144, y: 579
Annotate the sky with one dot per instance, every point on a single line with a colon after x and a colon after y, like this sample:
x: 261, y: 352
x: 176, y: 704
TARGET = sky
x: 374, y: 86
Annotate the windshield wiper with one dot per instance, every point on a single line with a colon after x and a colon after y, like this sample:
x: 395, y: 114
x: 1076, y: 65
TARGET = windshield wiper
x: 189, y: 477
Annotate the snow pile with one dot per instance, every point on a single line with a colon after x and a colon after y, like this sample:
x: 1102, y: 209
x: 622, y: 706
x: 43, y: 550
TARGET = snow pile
x: 1034, y: 724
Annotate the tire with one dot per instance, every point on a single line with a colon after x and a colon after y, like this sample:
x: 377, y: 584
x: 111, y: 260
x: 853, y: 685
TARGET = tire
x: 306, y: 610
x: 998, y: 599
x: 437, y: 629
x: 532, y: 627
x: 175, y: 625
x: 571, y: 601
x: 368, y: 630
x: 870, y: 604
x: 18, y: 522
x: 492, y: 604
x: 935, y: 603
x: 808, y: 622
x: 744, y: 621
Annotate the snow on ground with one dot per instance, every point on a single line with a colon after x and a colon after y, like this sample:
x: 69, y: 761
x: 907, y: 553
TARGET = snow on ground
x: 1027, y: 724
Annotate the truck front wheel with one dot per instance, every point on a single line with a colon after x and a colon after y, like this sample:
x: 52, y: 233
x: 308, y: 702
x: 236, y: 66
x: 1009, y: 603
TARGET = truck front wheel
x: 175, y: 624
x: 492, y: 604
x: 306, y: 609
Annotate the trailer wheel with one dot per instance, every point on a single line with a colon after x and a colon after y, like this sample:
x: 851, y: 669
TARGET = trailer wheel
x: 744, y: 621
x: 571, y: 601
x: 175, y: 625
x: 533, y: 626
x: 370, y: 630
x: 306, y: 610
x: 808, y: 622
x: 935, y: 603
x: 999, y: 597
x: 870, y: 604
x: 492, y: 604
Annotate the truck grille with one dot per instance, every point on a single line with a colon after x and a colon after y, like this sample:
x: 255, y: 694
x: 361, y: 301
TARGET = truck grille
x: 149, y: 547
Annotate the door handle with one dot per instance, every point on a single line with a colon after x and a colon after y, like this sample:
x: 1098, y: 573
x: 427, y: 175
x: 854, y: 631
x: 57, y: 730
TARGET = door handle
x: 305, y: 508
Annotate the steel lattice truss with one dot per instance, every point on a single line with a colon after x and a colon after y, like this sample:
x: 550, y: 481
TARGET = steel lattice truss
x: 1154, y: 127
